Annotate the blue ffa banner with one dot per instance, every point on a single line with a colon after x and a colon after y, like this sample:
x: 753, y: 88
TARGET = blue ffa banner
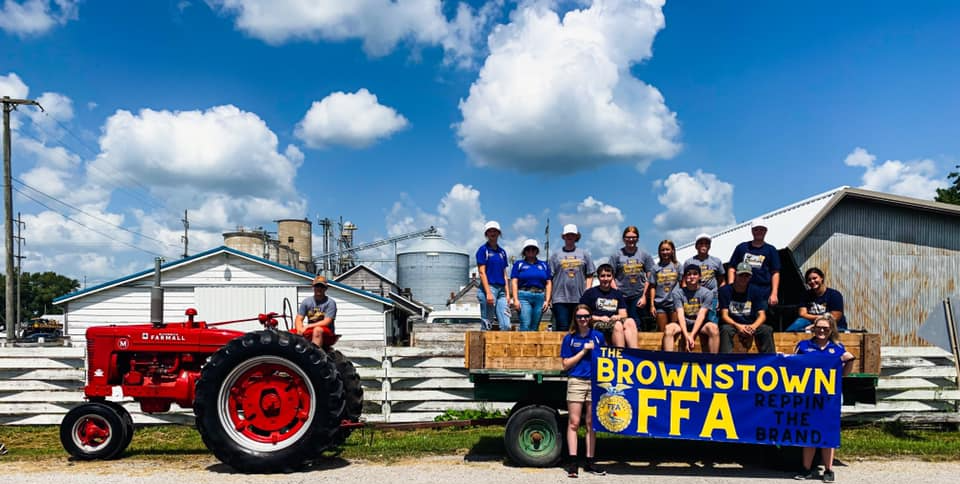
x: 758, y: 399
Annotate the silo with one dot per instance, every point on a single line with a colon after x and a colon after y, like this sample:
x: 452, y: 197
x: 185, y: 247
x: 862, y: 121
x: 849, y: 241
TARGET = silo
x: 432, y: 268
x: 253, y: 242
x: 298, y: 235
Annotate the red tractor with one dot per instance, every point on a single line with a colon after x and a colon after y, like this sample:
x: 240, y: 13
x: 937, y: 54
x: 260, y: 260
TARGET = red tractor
x: 265, y: 401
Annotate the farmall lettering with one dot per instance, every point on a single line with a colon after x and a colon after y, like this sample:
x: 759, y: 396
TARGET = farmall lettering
x: 162, y: 337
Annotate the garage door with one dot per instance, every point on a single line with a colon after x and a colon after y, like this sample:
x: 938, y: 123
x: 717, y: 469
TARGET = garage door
x: 227, y: 303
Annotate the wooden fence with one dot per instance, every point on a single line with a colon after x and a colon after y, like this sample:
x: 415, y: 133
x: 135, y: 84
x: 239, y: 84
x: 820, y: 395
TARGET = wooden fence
x: 39, y: 385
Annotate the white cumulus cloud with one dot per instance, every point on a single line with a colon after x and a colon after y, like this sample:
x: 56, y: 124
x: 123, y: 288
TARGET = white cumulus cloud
x: 599, y: 224
x: 379, y: 24
x: 353, y: 119
x: 692, y: 204
x: 11, y: 85
x: 917, y: 178
x: 222, y: 149
x: 35, y: 17
x: 556, y: 94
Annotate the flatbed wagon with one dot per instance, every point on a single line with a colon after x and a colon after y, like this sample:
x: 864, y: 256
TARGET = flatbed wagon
x: 525, y: 368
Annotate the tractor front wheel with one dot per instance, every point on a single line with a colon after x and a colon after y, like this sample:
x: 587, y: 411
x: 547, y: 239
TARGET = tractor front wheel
x: 93, y: 430
x: 268, y: 402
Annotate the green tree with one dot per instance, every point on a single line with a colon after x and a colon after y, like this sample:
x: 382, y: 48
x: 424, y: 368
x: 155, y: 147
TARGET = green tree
x: 950, y: 194
x: 37, y: 292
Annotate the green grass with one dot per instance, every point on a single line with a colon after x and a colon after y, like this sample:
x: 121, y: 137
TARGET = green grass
x: 175, y: 441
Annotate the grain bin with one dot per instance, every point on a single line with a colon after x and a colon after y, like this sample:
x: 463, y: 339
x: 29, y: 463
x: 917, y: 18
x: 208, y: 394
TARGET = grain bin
x: 253, y: 242
x: 432, y: 268
x: 297, y: 234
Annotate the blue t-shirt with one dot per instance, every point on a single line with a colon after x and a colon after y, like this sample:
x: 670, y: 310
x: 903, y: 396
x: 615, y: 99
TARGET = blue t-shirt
x: 764, y: 260
x: 495, y: 261
x: 572, y: 344
x: 530, y: 275
x: 830, y: 300
x: 743, y: 307
x: 809, y: 346
x: 604, y: 303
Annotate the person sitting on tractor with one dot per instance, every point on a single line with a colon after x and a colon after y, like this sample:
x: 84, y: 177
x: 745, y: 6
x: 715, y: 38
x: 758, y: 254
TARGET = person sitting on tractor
x: 320, y: 312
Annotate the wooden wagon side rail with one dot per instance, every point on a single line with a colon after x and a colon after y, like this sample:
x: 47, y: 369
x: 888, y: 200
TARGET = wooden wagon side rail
x: 540, y: 350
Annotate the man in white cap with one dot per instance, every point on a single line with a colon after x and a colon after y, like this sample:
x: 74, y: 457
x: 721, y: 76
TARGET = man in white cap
x: 764, y: 260
x: 711, y: 271
x: 494, y: 292
x: 531, y: 282
x: 572, y: 271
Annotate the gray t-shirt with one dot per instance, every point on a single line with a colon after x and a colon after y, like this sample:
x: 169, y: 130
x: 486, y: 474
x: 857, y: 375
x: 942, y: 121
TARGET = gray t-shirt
x: 664, y: 279
x: 691, y: 301
x: 570, y: 271
x: 312, y: 311
x: 711, y: 270
x: 631, y: 271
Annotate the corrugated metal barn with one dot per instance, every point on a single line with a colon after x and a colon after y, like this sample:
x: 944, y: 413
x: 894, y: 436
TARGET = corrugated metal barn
x: 893, y: 258
x: 224, y: 284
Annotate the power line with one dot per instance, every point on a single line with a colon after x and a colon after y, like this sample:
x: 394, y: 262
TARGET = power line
x: 101, y: 220
x: 117, y: 178
x: 108, y: 236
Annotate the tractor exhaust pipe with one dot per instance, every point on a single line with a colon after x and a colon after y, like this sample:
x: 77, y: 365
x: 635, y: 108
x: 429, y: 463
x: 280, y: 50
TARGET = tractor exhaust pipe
x: 156, y: 296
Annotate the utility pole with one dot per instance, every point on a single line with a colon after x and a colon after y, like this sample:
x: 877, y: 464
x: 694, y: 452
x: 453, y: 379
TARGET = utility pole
x: 185, y: 239
x: 19, y: 256
x: 8, y: 106
x: 546, y: 243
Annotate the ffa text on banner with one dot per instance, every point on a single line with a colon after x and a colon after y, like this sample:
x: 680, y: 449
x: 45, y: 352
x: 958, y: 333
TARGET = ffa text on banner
x: 762, y: 399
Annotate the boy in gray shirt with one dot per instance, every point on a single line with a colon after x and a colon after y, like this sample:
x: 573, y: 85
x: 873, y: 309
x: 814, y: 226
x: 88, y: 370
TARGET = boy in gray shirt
x: 692, y: 303
x: 712, y: 275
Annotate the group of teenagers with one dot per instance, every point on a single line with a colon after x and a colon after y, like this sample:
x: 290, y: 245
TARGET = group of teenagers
x: 695, y: 300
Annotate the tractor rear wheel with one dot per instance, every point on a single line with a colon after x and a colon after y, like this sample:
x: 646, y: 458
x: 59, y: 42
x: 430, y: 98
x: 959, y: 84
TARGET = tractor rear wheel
x: 93, y: 430
x: 352, y: 395
x: 268, y: 402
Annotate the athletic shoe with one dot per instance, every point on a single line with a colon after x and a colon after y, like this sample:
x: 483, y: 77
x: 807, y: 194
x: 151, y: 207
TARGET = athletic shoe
x: 573, y: 470
x: 806, y: 475
x: 3, y: 449
x: 828, y: 476
x: 593, y: 468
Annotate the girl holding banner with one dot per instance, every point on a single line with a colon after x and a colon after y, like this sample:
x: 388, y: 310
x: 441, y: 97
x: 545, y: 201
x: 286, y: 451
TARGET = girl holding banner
x: 825, y: 340
x: 576, y: 357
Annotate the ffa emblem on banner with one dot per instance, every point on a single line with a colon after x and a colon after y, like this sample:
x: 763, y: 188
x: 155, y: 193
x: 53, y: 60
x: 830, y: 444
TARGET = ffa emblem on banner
x: 613, y: 410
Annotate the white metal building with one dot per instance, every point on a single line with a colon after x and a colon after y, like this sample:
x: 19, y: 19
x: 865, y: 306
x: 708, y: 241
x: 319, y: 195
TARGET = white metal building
x: 893, y: 258
x: 224, y: 284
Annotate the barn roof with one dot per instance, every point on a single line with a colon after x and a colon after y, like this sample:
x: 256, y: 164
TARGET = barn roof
x: 788, y: 226
x: 307, y: 276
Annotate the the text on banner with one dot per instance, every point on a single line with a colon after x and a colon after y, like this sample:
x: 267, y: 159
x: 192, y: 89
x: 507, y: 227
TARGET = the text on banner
x: 763, y: 399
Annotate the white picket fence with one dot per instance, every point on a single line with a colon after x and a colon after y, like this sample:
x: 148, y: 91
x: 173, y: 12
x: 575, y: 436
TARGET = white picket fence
x: 39, y: 385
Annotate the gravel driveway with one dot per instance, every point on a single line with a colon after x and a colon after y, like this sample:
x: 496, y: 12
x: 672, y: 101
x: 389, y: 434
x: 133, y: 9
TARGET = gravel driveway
x: 452, y: 469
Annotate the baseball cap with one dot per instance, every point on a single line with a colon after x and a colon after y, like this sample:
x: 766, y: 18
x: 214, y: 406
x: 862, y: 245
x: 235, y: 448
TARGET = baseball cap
x: 531, y: 243
x: 570, y: 229
x: 701, y: 237
x: 320, y: 281
x: 744, y: 268
x: 758, y: 223
x: 691, y: 268
x: 491, y: 225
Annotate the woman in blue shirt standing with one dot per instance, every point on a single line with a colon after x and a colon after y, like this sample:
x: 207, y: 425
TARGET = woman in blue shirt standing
x: 575, y: 352
x: 531, y: 282
x: 825, y: 340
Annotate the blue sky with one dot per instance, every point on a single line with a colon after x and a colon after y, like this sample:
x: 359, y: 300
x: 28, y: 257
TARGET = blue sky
x: 677, y: 118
